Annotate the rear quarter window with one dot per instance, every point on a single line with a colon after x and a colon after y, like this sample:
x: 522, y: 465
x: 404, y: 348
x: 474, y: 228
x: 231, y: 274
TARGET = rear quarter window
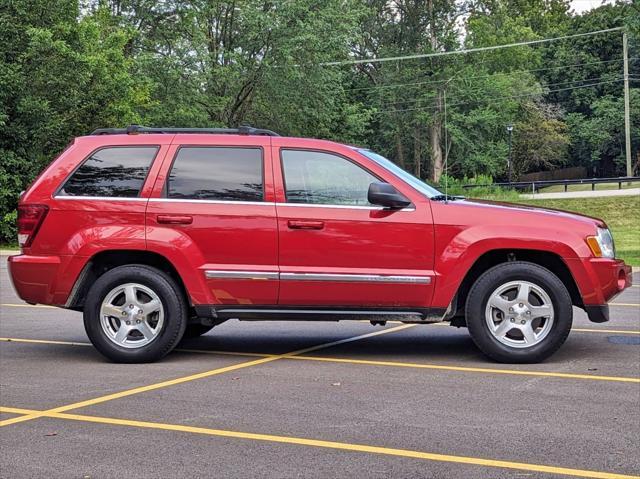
x: 117, y: 172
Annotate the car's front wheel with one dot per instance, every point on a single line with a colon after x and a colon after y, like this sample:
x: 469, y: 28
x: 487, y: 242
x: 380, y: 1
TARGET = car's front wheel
x: 135, y: 314
x: 519, y: 312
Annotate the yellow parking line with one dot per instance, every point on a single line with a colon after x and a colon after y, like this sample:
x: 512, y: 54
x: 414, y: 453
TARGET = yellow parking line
x: 205, y: 374
x: 343, y: 446
x: 43, y: 341
x: 633, y: 305
x: 582, y: 330
x: 607, y: 331
x: 515, y: 372
x: 13, y: 305
x: 443, y: 367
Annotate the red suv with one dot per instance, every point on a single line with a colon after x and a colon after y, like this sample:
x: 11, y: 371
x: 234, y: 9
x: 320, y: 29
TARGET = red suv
x: 158, y: 233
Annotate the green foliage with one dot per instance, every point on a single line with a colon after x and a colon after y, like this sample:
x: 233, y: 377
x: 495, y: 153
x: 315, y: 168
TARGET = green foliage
x: 483, y: 190
x: 59, y: 78
x: 67, y: 67
x: 542, y: 140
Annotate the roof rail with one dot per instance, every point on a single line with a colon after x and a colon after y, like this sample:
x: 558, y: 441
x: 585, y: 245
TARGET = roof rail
x: 136, y: 129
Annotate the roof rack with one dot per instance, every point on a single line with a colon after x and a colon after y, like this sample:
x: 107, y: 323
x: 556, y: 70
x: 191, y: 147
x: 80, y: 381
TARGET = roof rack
x: 136, y: 129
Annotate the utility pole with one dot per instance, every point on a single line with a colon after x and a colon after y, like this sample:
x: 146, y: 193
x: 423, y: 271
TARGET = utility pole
x: 509, y: 160
x: 627, y: 119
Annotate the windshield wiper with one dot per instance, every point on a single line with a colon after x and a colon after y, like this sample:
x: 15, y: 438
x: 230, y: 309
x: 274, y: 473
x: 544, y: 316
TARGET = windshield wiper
x: 446, y: 198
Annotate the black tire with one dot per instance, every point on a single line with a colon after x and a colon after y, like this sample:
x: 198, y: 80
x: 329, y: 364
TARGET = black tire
x: 502, y: 274
x: 195, y: 330
x: 172, y: 300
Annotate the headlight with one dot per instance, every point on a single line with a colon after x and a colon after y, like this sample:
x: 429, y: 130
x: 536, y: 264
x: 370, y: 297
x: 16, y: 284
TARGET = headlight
x: 602, y: 244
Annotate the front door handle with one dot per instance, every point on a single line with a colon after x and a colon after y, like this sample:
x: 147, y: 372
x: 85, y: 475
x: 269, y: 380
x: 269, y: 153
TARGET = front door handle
x: 305, y: 225
x: 174, y: 219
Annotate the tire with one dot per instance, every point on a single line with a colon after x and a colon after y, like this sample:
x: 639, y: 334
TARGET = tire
x: 144, y: 298
x: 195, y: 330
x: 533, y: 328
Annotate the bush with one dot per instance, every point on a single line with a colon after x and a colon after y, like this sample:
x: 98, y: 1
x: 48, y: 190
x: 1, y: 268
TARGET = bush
x: 455, y: 187
x: 8, y: 231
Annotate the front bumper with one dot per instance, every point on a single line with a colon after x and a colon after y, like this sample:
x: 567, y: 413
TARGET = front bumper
x: 599, y: 281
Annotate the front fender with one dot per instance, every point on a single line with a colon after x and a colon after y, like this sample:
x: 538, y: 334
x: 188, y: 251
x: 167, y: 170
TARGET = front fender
x: 458, y: 248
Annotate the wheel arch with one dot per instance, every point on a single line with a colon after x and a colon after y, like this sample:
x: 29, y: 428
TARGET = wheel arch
x: 106, y: 260
x: 547, y: 259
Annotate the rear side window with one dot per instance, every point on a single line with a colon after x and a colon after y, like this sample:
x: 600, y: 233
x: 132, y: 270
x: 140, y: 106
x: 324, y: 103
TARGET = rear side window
x: 216, y: 173
x: 111, y: 172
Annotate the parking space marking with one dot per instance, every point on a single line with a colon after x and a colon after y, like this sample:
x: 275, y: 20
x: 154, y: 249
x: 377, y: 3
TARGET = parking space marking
x: 25, y: 305
x: 515, y: 372
x: 606, y: 331
x: 318, y: 443
x: 297, y: 355
x: 202, y: 375
x: 625, y: 304
x: 43, y: 341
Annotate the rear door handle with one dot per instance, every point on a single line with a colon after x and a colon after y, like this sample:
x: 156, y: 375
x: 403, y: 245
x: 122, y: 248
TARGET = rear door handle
x: 175, y: 219
x: 305, y: 225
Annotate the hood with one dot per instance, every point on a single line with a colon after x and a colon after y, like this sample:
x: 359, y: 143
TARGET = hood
x: 500, y: 212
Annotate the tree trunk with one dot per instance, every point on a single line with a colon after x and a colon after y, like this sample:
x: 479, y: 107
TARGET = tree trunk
x: 417, y: 153
x: 400, y: 151
x: 435, y: 138
x: 435, y: 130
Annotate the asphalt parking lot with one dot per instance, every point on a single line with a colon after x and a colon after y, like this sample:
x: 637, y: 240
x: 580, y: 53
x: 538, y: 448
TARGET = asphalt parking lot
x: 302, y: 399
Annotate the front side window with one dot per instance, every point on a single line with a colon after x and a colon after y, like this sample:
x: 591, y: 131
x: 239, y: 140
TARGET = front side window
x: 216, y: 173
x: 111, y: 172
x: 314, y: 177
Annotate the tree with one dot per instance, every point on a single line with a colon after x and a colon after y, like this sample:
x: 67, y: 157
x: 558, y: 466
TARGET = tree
x: 59, y: 78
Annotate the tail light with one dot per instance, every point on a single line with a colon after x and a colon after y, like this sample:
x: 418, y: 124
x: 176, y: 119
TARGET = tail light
x: 30, y: 218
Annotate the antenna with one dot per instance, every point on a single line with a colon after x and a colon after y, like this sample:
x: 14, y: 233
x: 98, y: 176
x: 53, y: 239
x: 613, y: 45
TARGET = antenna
x: 446, y: 152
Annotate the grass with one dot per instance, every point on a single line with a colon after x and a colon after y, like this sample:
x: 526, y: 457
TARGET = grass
x: 587, y: 187
x: 622, y: 215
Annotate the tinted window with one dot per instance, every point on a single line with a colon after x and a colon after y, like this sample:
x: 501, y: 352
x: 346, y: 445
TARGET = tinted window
x: 322, y: 178
x: 111, y: 172
x: 207, y: 173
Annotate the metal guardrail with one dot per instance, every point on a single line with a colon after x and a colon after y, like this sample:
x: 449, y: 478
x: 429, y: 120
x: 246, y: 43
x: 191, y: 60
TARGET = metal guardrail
x: 536, y: 185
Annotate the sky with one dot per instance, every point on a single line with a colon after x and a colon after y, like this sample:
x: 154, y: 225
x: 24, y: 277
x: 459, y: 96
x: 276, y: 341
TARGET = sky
x: 583, y: 5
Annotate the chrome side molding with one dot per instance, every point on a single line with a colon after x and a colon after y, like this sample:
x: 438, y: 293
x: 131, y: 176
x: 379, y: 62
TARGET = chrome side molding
x: 257, y: 275
x: 355, y: 278
x: 343, y: 278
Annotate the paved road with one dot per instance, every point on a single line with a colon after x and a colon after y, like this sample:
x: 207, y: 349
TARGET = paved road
x: 582, y: 194
x: 244, y: 401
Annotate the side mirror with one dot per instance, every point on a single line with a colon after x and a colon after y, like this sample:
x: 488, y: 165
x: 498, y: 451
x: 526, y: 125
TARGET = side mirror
x: 386, y: 195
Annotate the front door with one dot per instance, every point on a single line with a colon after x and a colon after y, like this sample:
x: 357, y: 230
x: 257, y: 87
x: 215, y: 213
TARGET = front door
x: 338, y: 250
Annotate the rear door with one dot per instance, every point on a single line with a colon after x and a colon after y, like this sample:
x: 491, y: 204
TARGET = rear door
x: 214, y: 202
x: 337, y: 249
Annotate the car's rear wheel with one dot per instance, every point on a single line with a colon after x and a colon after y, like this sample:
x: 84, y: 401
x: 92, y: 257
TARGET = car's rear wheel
x: 135, y: 314
x: 519, y: 312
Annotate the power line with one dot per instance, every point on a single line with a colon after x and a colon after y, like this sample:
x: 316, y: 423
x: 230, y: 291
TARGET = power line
x: 499, y: 98
x: 398, y: 85
x: 465, y: 51
x: 476, y: 90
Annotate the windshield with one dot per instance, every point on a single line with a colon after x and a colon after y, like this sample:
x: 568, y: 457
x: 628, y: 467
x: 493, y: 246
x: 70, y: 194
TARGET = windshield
x: 418, y: 184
